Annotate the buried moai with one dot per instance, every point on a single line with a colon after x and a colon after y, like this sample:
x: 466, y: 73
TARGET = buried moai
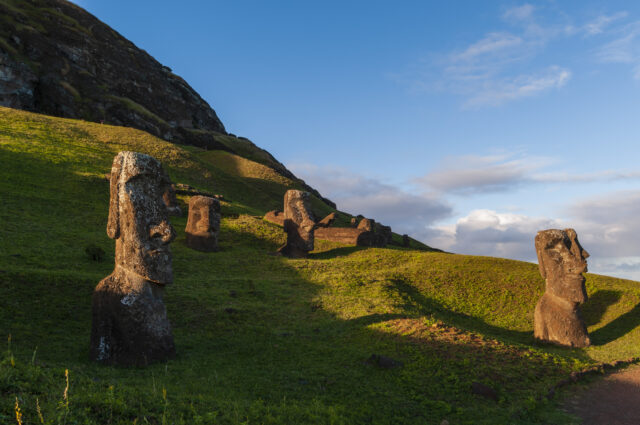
x: 299, y: 224
x: 203, y: 224
x: 562, y: 262
x: 130, y: 325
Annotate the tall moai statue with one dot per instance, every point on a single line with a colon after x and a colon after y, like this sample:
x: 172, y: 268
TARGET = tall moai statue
x: 299, y: 224
x: 562, y: 262
x: 203, y: 224
x: 130, y: 325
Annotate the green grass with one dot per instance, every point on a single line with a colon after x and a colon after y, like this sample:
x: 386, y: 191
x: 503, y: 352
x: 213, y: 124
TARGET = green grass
x: 264, y: 339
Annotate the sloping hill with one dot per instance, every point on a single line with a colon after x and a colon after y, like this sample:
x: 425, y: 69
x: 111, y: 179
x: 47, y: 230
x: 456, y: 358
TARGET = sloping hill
x: 264, y: 339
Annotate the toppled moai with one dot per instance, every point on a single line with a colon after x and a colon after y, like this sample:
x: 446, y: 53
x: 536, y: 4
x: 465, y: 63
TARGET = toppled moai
x: 203, y: 224
x: 328, y: 220
x: 367, y: 224
x: 275, y: 217
x: 130, y: 325
x: 299, y: 224
x: 562, y: 262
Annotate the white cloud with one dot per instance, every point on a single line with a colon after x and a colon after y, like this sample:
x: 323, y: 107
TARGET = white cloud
x: 489, y: 45
x: 473, y: 174
x: 405, y: 212
x: 607, y: 227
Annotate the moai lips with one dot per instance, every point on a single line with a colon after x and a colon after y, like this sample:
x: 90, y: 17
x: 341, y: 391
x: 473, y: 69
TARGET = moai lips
x: 203, y: 224
x: 130, y: 325
x: 562, y: 262
x: 299, y: 224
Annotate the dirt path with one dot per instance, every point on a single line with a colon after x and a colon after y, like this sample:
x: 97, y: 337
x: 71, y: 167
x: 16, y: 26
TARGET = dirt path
x: 612, y: 400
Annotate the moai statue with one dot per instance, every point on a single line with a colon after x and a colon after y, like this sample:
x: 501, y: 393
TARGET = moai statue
x: 203, y: 224
x: 405, y: 241
x: 299, y: 224
x: 328, y: 220
x: 130, y: 325
x: 354, y: 222
x: 367, y: 224
x: 562, y: 261
x: 170, y: 200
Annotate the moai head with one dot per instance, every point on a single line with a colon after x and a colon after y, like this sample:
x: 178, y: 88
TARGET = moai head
x: 138, y: 217
x: 170, y: 200
x: 297, y: 212
x: 367, y: 224
x: 562, y: 262
x: 203, y: 223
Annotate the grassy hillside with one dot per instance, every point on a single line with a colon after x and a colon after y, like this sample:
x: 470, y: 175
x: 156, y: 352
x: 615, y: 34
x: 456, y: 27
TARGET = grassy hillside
x: 264, y: 339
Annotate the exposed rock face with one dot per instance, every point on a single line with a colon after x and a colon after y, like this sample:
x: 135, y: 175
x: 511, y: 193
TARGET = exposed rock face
x: 346, y: 235
x: 203, y: 224
x: 60, y: 60
x: 130, y: 325
x: 275, y: 217
x: 299, y: 224
x: 562, y: 262
x: 328, y: 220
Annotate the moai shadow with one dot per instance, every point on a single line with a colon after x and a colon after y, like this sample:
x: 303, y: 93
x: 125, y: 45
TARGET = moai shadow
x: 562, y: 262
x: 203, y: 224
x: 130, y: 325
x: 299, y: 224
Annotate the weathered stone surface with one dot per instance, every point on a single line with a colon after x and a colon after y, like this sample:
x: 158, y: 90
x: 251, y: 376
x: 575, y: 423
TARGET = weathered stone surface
x: 367, y: 224
x: 383, y: 235
x: 203, y: 224
x: 346, y: 235
x: 299, y: 224
x: 328, y: 220
x: 170, y: 200
x: 405, y: 241
x: 354, y: 222
x: 562, y: 262
x: 275, y: 217
x: 130, y: 325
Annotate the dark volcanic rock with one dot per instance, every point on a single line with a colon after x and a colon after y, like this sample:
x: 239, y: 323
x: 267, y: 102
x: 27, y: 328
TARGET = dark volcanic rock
x: 60, y: 60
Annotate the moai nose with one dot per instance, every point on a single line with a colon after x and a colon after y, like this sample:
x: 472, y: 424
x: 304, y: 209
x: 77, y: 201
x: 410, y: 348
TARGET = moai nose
x: 164, y: 231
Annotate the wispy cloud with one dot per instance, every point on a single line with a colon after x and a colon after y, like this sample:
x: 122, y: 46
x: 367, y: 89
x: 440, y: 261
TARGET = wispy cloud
x: 499, y: 91
x: 475, y: 174
x: 405, y: 212
x: 489, y: 72
x: 599, y: 24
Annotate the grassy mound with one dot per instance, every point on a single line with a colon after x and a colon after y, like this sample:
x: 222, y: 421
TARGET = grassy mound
x: 263, y: 339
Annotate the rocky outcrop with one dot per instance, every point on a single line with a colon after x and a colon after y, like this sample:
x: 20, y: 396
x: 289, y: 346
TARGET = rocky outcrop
x: 57, y: 59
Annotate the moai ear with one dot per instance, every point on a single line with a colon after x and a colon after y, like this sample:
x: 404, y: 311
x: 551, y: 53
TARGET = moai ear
x: 539, y: 248
x: 113, y: 223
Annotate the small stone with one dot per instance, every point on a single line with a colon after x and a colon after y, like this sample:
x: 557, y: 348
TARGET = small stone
x: 383, y: 362
x: 484, y: 391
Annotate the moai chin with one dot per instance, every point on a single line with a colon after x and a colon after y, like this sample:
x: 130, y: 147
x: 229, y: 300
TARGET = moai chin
x: 299, y: 224
x: 203, y: 224
x: 130, y: 325
x: 562, y: 262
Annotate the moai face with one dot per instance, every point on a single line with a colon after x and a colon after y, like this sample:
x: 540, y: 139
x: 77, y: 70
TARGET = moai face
x: 203, y: 224
x: 298, y: 211
x: 562, y: 262
x: 138, y: 217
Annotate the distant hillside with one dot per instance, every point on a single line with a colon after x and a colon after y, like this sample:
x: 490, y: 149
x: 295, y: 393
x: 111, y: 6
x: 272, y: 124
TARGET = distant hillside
x: 58, y: 59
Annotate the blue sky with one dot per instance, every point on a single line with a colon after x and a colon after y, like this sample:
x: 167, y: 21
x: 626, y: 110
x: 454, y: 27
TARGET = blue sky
x: 469, y: 125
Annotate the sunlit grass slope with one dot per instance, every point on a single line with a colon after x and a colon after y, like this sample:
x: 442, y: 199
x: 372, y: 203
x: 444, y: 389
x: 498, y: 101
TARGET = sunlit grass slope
x: 260, y: 338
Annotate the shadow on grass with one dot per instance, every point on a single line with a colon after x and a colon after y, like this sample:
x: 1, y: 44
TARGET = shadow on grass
x: 597, y: 305
x: 618, y: 327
